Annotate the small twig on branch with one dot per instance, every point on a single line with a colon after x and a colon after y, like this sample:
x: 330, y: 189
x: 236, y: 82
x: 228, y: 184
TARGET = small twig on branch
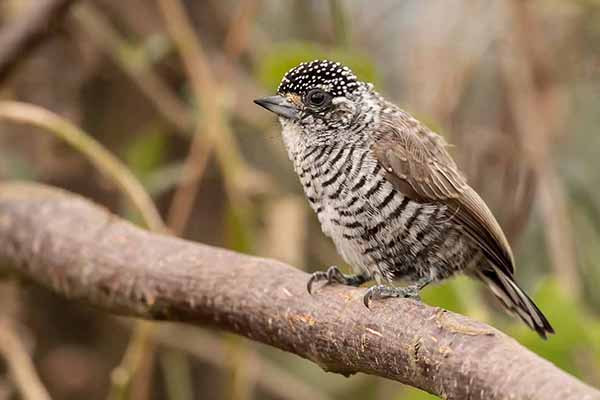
x: 83, y: 252
x: 19, y: 364
x: 26, y: 33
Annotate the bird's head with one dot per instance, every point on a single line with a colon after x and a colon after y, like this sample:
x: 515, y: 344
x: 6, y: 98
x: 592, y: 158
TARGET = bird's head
x: 318, y: 99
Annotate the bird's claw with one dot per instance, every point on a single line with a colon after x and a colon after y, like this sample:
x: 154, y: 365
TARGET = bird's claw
x: 315, y: 277
x: 384, y: 292
x: 334, y: 275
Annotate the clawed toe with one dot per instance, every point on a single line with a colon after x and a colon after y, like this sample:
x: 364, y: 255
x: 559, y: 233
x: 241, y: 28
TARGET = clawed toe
x: 368, y: 295
x: 384, y: 292
x: 315, y: 277
x: 411, y: 293
x: 334, y: 275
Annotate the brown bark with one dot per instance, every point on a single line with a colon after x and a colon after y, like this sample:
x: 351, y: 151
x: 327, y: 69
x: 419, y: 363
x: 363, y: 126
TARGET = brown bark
x: 81, y: 251
x: 20, y: 38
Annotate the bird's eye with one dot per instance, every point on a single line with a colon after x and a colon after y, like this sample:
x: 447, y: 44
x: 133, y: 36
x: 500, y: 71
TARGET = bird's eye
x: 318, y: 98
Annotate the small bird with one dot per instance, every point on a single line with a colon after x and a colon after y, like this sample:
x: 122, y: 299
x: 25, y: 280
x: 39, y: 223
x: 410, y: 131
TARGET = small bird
x: 387, y: 192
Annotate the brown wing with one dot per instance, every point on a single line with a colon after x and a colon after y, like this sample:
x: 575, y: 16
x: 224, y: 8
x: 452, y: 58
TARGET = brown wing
x: 418, y: 164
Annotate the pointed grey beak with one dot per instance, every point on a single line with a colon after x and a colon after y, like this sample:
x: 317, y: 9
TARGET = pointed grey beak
x: 278, y: 105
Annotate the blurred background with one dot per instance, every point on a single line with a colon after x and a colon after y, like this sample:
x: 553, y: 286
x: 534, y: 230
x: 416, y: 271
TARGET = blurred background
x: 167, y: 87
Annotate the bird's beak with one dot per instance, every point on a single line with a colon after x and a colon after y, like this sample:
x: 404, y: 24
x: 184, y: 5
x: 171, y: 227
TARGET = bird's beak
x: 279, y: 105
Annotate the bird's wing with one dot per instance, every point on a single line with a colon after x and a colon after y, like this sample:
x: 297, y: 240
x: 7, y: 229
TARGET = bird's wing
x: 417, y: 163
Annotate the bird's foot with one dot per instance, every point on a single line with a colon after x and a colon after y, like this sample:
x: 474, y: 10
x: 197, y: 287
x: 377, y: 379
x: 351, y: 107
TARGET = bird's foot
x: 334, y: 275
x: 384, y: 292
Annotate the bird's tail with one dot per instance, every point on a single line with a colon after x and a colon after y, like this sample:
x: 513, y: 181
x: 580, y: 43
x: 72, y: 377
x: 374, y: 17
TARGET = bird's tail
x: 515, y: 300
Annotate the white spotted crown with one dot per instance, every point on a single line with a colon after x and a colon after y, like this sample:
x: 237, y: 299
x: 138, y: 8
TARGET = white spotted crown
x: 333, y: 77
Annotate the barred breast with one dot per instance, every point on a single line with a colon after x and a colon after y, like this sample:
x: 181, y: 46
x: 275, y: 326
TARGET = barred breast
x: 375, y: 228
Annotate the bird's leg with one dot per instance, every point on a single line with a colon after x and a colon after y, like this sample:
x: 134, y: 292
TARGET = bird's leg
x: 383, y: 292
x: 334, y: 275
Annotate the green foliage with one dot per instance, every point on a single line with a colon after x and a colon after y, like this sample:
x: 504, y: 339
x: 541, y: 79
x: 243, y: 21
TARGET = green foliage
x: 144, y: 155
x: 578, y: 332
x: 146, y: 152
x: 414, y: 394
x: 447, y: 295
x: 238, y: 231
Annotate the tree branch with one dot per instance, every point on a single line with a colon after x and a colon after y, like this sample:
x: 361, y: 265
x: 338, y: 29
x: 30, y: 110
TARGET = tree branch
x: 83, y: 252
x: 26, y: 33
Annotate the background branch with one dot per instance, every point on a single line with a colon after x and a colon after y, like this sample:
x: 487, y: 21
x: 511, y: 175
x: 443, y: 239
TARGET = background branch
x: 23, y: 36
x: 85, y: 144
x: 100, y: 31
x: 126, y: 181
x: 270, y: 377
x: 81, y: 251
x: 20, y: 365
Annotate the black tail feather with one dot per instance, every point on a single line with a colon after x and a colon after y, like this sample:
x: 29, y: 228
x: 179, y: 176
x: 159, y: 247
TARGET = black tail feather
x: 515, y: 300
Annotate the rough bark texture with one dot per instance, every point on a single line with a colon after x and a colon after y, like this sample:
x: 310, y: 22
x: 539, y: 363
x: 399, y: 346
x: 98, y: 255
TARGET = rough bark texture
x: 81, y: 251
x: 19, y: 39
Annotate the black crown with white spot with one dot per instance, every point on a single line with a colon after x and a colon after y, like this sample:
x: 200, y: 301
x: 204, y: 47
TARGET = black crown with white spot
x: 333, y: 77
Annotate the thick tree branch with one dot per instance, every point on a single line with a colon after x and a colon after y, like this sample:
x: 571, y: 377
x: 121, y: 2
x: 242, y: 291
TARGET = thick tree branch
x: 26, y: 33
x: 83, y: 252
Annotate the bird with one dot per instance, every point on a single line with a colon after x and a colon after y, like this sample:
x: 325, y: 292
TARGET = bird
x: 386, y: 190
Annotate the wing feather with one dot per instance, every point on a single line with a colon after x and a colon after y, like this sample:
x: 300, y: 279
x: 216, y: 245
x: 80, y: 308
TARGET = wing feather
x: 418, y: 164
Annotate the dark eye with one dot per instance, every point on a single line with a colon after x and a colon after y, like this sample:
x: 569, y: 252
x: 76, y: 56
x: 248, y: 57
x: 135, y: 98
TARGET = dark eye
x: 318, y: 98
